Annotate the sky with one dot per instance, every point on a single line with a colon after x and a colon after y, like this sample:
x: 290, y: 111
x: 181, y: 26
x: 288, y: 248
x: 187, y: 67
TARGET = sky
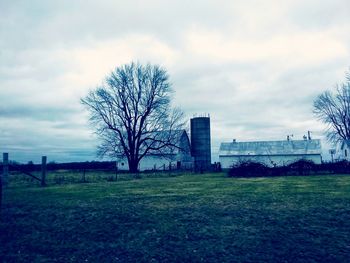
x: 254, y: 66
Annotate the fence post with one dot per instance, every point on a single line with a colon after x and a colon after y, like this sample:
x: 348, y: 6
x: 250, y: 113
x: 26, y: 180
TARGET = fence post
x: 4, y: 176
x: 5, y: 171
x: 0, y: 194
x: 116, y: 170
x: 43, y: 170
x: 83, y: 179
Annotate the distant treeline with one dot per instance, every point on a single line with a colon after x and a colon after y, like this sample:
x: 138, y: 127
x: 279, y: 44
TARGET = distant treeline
x: 301, y: 167
x: 94, y: 165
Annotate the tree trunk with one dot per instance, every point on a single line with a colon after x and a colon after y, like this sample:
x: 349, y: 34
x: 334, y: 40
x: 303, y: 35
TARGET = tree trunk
x: 133, y: 166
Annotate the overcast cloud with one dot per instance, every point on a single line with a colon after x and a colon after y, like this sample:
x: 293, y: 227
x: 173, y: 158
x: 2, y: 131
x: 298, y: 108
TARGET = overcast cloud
x: 255, y: 66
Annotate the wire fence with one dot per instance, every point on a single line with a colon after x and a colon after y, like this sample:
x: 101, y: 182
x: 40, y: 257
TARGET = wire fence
x: 51, y: 173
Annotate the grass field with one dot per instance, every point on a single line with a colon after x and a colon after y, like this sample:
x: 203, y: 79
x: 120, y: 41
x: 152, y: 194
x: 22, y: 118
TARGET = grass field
x: 189, y: 218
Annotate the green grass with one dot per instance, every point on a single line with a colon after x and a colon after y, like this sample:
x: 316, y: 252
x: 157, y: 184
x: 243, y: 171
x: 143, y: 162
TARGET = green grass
x: 188, y: 218
x: 60, y: 177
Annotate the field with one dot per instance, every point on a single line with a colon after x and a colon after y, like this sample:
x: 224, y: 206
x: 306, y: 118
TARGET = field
x: 186, y: 218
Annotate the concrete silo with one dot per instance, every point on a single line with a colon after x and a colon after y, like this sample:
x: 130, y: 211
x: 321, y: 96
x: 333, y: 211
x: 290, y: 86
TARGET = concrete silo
x: 200, y: 142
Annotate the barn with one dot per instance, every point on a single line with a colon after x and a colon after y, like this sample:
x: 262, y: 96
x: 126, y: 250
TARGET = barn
x: 270, y: 153
x: 185, y: 154
x: 178, y: 156
x: 343, y: 152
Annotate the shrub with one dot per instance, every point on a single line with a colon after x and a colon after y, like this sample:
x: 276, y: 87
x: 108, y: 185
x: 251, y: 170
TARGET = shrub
x: 256, y: 169
x: 248, y: 169
x: 340, y: 167
x: 301, y: 167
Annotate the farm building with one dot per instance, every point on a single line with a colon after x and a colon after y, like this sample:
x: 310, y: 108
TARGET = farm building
x: 185, y: 154
x: 178, y: 156
x: 343, y: 152
x: 271, y: 153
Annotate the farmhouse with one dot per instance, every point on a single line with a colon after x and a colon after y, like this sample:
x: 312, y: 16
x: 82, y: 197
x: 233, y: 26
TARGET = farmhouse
x: 271, y: 153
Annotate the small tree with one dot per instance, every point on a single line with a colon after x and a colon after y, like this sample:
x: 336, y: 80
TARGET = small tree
x: 132, y: 114
x: 333, y: 109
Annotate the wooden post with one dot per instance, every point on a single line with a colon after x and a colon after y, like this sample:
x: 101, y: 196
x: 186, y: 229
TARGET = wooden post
x: 43, y: 170
x: 116, y: 170
x: 84, y: 171
x: 5, y: 171
x: 0, y: 194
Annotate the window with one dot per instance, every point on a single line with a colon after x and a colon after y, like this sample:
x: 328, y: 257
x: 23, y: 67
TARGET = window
x: 346, y: 153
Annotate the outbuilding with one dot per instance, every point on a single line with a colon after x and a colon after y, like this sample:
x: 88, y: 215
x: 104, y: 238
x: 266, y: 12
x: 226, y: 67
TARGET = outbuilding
x: 270, y: 153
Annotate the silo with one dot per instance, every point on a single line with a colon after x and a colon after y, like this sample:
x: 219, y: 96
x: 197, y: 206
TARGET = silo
x: 200, y: 142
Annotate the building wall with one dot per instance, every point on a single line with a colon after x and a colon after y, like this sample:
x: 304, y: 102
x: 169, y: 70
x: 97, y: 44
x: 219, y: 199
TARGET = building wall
x: 269, y: 160
x: 149, y: 162
x: 343, y: 153
x: 184, y: 153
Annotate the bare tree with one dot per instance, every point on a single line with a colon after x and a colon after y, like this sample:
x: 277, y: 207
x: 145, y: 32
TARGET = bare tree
x: 334, y: 110
x: 132, y: 113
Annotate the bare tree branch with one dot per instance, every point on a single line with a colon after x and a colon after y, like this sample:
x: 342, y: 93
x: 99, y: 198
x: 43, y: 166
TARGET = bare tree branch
x: 333, y: 109
x: 132, y: 114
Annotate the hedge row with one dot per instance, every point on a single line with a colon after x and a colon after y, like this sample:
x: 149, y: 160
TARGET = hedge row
x: 301, y: 167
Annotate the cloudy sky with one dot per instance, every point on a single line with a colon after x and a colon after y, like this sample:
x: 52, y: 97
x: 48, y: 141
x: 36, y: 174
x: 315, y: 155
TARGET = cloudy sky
x: 255, y: 66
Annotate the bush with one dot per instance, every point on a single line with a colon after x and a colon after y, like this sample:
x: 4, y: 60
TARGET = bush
x: 256, y: 169
x: 342, y: 167
x: 248, y: 169
x: 301, y: 167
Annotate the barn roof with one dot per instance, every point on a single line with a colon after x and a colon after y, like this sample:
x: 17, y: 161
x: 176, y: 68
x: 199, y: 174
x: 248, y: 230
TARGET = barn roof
x: 345, y: 143
x: 292, y: 147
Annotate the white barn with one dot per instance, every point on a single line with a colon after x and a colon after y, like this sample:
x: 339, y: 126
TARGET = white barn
x: 271, y: 153
x: 343, y: 153
x: 179, y: 156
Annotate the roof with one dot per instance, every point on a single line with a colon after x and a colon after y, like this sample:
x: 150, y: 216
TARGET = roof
x: 292, y: 147
x: 345, y: 143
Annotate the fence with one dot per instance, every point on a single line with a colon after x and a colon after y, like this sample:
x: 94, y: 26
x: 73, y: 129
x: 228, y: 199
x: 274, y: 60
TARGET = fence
x: 173, y: 166
x: 6, y: 165
x: 48, y: 173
